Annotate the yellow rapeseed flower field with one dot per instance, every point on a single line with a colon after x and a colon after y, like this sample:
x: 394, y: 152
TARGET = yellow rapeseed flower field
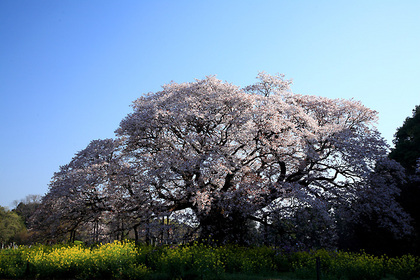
x: 126, y: 260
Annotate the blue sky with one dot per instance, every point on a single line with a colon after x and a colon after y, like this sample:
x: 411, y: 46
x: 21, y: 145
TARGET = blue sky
x: 70, y: 69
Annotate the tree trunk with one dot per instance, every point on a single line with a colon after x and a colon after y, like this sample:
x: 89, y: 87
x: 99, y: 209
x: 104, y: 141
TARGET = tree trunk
x: 218, y: 228
x: 136, y: 234
x: 148, y: 241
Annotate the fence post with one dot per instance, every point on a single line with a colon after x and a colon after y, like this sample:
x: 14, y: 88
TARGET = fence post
x: 27, y: 269
x: 318, y: 268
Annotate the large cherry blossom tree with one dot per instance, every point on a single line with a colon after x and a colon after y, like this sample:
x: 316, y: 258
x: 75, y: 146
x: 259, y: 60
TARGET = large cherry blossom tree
x: 230, y: 154
x: 212, y: 155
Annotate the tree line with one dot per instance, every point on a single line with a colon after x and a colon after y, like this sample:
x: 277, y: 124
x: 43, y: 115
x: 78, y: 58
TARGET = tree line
x: 217, y: 163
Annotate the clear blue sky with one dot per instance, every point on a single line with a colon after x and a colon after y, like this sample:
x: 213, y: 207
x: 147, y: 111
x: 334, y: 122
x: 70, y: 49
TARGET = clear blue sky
x: 69, y: 69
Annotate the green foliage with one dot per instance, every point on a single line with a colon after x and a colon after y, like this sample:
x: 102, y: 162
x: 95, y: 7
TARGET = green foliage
x: 125, y: 260
x: 10, y: 225
x: 407, y: 142
x: 407, y: 153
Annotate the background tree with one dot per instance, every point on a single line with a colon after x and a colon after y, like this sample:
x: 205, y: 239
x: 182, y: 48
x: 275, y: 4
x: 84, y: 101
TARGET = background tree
x: 407, y: 142
x: 407, y: 152
x: 368, y: 223
x: 27, y: 207
x: 228, y: 153
x: 11, y: 224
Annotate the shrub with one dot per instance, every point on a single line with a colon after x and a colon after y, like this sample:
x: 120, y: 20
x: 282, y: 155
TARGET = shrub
x: 357, y: 266
x: 338, y: 265
x: 13, y: 263
x: 405, y: 267
x: 191, y: 262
